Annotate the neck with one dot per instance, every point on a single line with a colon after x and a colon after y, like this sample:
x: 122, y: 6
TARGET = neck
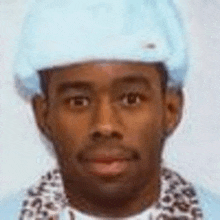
x: 114, y: 208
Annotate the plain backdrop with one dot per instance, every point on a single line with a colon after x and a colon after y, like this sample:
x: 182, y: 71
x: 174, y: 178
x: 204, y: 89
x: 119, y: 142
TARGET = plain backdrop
x: 194, y: 150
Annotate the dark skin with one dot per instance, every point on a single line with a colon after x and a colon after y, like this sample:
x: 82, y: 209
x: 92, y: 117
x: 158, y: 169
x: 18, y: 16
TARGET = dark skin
x: 115, y: 108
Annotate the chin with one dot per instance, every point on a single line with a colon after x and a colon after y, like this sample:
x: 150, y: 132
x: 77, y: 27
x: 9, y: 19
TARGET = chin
x: 106, y: 190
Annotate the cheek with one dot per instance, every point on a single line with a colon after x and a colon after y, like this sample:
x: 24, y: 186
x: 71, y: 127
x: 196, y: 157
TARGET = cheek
x: 145, y: 131
x: 145, y: 134
x: 68, y: 131
x: 148, y: 119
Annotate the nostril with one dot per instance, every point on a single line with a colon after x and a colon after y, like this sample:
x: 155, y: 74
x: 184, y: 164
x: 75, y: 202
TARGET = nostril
x: 96, y: 135
x: 116, y: 135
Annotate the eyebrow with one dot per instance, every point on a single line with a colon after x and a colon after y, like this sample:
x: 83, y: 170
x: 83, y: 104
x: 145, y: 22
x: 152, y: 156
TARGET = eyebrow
x: 80, y: 85
x: 88, y: 86
x: 134, y: 78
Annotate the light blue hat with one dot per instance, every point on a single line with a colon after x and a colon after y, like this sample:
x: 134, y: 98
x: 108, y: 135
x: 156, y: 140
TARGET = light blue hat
x: 61, y: 32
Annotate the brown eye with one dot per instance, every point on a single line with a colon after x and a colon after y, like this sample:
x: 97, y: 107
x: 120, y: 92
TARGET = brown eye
x: 78, y: 101
x: 131, y: 99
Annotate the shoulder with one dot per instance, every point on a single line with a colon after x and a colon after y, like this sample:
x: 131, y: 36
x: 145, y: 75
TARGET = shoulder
x: 24, y: 202
x: 11, y: 205
x: 200, y: 197
x: 46, y: 198
x: 210, y: 203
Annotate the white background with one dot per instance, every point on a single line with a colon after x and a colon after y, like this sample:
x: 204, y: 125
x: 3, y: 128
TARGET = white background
x: 195, y: 148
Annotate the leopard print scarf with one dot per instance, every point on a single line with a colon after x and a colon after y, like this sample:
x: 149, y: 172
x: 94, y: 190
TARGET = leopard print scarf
x: 46, y: 200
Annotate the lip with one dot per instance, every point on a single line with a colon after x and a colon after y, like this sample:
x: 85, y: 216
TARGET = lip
x: 107, y: 159
x: 107, y: 167
x: 107, y: 162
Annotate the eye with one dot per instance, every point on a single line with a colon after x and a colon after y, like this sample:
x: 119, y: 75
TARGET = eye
x: 78, y: 101
x: 132, y: 99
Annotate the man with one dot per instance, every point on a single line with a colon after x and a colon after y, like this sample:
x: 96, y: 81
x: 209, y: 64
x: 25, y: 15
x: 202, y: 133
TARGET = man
x: 105, y: 80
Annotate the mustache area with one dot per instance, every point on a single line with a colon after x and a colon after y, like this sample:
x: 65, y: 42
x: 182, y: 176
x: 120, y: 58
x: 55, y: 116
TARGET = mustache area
x: 107, y: 153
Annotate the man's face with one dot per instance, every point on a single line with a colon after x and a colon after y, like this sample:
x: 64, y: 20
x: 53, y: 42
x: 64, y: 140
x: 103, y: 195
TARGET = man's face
x: 107, y: 122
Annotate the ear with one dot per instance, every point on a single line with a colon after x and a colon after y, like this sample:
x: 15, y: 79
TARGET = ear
x: 174, y: 108
x: 40, y: 108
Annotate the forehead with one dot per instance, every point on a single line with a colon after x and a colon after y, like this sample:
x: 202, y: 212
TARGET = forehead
x: 106, y: 73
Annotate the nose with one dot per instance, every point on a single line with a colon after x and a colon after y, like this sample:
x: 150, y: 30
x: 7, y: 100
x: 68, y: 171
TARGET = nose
x: 106, y: 122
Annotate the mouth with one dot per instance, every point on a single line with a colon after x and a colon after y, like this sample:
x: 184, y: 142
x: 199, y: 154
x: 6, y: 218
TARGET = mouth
x: 107, y: 166
x: 106, y: 163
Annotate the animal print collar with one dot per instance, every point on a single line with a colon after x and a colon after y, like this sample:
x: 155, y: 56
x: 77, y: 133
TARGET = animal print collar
x: 47, y: 200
